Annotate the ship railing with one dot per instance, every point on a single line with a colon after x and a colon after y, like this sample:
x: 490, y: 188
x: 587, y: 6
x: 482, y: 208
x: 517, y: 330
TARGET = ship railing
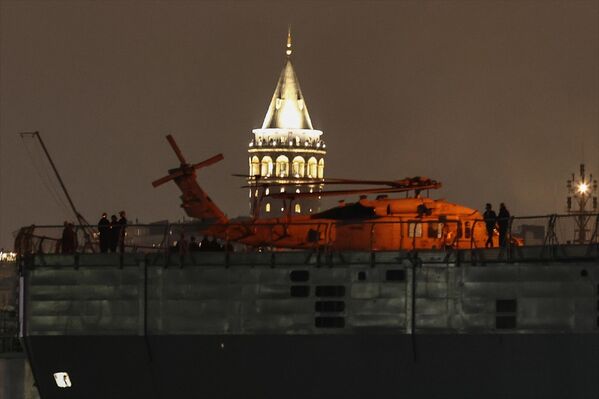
x: 546, y: 232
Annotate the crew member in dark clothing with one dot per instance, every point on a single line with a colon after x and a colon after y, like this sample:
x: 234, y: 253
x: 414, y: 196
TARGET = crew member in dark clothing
x: 490, y: 221
x: 104, y: 232
x: 204, y: 244
x: 193, y: 244
x: 182, y: 246
x: 115, y: 233
x: 68, y: 239
x: 503, y: 221
x: 122, y: 231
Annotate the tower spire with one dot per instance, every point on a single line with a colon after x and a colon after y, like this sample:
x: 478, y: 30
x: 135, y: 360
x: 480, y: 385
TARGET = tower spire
x: 289, y: 50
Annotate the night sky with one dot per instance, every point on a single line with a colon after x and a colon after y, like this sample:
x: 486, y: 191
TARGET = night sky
x: 498, y: 100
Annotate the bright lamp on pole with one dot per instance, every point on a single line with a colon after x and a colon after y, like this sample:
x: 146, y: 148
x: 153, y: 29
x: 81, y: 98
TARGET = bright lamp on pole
x: 582, y: 188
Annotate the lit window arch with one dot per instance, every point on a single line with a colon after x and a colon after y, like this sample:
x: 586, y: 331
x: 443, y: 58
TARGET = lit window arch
x: 298, y: 167
x: 254, y: 166
x: 312, y: 168
x: 266, y: 169
x: 282, y: 166
x: 321, y: 168
x: 267, y: 207
x: 298, y: 208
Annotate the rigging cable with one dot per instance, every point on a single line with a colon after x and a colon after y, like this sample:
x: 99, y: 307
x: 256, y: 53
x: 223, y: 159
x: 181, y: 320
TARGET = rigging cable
x: 46, y: 180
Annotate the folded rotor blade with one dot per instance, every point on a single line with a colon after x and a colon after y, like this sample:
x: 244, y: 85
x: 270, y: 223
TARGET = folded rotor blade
x: 209, y: 161
x: 167, y: 178
x: 175, y: 148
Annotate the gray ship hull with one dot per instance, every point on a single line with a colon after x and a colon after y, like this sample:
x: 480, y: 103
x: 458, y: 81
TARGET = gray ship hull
x: 327, y: 366
x: 285, y: 326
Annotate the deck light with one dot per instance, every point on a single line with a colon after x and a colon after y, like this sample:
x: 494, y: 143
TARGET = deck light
x: 583, y: 188
x: 62, y: 379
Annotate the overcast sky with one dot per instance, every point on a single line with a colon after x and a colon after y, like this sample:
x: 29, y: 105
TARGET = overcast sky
x: 499, y: 100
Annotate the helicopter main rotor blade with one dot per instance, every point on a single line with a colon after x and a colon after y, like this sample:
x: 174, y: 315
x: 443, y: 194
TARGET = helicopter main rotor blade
x: 410, y: 183
x: 332, y: 193
x: 168, y: 178
x: 175, y: 148
x: 209, y: 161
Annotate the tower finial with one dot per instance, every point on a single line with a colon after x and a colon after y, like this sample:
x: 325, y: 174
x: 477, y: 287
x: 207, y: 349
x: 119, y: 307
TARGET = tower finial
x: 288, y: 51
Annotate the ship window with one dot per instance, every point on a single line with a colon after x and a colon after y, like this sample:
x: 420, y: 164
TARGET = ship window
x: 505, y: 322
x: 329, y: 322
x: 395, y: 275
x: 505, y: 306
x: 300, y: 291
x: 329, y: 306
x: 505, y: 310
x: 62, y: 379
x: 299, y: 275
x: 330, y: 290
x: 414, y: 230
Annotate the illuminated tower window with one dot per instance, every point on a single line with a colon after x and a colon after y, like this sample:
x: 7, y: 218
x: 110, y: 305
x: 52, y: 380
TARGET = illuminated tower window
x: 267, y: 207
x: 298, y: 167
x: 254, y: 166
x: 282, y: 168
x: 321, y: 168
x: 298, y: 208
x: 312, y: 168
x: 266, y: 166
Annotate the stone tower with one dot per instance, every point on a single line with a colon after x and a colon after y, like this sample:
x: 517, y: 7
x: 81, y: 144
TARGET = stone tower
x: 286, y: 154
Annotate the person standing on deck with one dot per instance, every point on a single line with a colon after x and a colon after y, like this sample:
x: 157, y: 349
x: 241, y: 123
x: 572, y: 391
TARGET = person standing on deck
x: 122, y: 231
x: 104, y: 233
x: 69, y: 242
x: 503, y: 221
x: 490, y: 221
x: 114, y: 235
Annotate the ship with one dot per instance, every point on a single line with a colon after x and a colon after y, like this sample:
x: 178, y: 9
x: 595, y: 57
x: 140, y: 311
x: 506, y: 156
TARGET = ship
x: 516, y: 322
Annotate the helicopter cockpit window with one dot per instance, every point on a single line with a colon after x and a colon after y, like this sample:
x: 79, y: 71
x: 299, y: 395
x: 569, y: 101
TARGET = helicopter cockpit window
x: 415, y: 230
x: 435, y: 230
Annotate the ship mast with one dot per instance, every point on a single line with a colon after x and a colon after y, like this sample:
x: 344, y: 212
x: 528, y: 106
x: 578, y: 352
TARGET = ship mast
x: 581, y: 191
x: 80, y: 219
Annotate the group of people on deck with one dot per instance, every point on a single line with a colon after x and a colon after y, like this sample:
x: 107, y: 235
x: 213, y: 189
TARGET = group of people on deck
x: 492, y: 220
x: 112, y: 232
x: 182, y: 246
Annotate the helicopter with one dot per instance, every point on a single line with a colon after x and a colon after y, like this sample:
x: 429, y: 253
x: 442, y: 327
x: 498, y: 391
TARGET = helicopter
x: 381, y: 224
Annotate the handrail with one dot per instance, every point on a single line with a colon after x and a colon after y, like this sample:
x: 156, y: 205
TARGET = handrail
x: 158, y: 237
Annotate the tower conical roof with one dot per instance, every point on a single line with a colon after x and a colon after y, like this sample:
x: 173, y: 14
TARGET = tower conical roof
x: 287, y: 109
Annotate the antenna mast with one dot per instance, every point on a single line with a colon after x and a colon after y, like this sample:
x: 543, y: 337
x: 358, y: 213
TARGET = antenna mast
x: 582, y: 193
